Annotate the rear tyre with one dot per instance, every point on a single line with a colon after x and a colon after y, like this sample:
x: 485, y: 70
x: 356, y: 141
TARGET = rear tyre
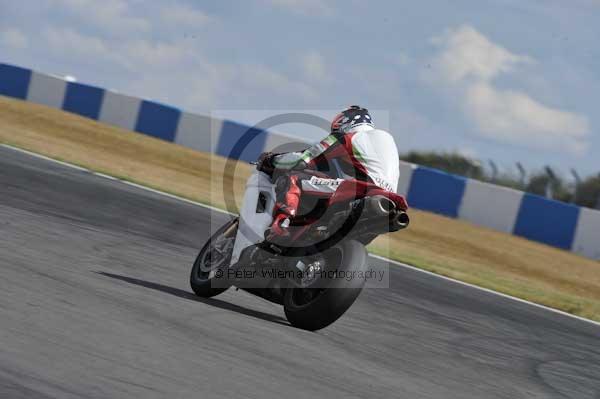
x: 206, y: 277
x: 316, y: 308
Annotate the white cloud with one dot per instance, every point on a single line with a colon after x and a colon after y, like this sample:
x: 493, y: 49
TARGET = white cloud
x: 305, y: 7
x: 132, y: 55
x: 70, y: 42
x: 514, y: 117
x: 468, y: 152
x: 467, y: 65
x: 154, y: 55
x: 14, y: 38
x: 113, y: 17
x: 155, y: 68
x: 313, y: 65
x: 184, y: 16
x: 210, y: 86
x: 261, y: 77
x: 403, y: 59
x: 467, y: 54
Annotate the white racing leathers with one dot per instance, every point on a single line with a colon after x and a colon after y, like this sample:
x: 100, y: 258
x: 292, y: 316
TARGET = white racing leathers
x: 377, y: 152
x: 365, y: 153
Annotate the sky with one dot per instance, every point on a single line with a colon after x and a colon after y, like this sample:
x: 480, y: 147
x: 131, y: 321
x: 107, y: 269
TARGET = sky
x: 507, y: 80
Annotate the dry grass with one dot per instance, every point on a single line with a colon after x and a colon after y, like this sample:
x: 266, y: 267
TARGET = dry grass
x: 498, y: 261
x: 450, y: 247
x: 120, y: 152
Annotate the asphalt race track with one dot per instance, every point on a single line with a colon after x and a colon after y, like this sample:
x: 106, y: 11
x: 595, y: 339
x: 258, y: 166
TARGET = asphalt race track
x: 95, y: 303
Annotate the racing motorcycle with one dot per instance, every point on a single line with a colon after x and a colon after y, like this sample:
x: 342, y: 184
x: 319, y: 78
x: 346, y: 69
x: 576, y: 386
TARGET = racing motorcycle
x: 308, y: 274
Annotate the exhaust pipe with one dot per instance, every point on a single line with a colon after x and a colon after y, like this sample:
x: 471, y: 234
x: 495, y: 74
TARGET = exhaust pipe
x: 378, y: 206
x: 400, y: 221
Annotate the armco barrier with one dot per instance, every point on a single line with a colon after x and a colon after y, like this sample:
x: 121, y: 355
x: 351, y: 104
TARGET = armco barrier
x: 406, y: 173
x: 157, y: 120
x: 587, y: 234
x: 189, y: 126
x: 550, y: 222
x: 240, y: 141
x: 14, y: 81
x: 46, y: 90
x: 84, y: 100
x: 436, y: 191
x: 120, y: 110
x: 536, y: 218
x: 491, y: 206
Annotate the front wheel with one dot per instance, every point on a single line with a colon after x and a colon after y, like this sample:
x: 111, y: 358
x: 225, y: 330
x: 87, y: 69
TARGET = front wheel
x: 316, y: 308
x: 207, y: 273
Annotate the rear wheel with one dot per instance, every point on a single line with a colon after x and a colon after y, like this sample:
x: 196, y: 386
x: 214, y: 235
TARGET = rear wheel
x: 207, y: 276
x: 315, y: 308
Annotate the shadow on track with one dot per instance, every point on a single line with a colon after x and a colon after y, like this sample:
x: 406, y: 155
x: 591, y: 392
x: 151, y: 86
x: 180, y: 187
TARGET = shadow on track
x: 207, y: 301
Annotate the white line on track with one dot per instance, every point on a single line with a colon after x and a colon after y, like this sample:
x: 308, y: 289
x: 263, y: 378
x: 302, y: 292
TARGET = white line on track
x: 514, y: 298
x: 372, y: 255
x: 35, y: 154
x: 105, y: 176
x: 177, y: 197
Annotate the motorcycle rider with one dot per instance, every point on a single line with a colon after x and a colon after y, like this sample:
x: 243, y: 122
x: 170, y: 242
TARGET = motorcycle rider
x: 354, y: 147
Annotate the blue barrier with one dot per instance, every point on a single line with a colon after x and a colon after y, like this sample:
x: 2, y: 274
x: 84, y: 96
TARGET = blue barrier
x: 239, y: 141
x: 536, y: 218
x: 547, y: 221
x: 158, y: 120
x: 15, y: 81
x: 436, y: 191
x: 84, y: 100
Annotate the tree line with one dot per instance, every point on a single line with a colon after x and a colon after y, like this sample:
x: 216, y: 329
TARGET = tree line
x: 545, y: 182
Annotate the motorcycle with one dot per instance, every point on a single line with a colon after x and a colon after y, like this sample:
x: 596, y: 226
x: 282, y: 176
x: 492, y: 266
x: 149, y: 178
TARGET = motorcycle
x: 308, y: 274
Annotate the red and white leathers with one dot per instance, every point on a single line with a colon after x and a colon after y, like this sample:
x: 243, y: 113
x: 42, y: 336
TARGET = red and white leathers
x: 362, y: 153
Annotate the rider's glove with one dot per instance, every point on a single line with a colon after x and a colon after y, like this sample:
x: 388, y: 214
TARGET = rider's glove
x: 265, y: 163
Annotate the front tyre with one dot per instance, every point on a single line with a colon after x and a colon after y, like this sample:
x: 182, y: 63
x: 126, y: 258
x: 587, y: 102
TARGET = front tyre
x: 212, y: 262
x: 316, y: 308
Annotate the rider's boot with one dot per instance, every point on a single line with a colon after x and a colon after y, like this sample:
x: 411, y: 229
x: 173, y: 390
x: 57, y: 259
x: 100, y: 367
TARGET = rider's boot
x: 279, y: 233
x: 275, y: 237
x: 284, y: 211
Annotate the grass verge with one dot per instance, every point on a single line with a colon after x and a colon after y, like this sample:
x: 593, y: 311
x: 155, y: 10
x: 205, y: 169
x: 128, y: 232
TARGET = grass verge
x: 449, y: 247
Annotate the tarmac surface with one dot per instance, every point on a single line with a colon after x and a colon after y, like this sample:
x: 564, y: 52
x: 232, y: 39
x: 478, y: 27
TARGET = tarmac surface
x: 95, y: 303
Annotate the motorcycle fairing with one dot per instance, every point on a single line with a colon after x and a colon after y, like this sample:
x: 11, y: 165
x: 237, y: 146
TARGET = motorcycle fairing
x: 256, y: 214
